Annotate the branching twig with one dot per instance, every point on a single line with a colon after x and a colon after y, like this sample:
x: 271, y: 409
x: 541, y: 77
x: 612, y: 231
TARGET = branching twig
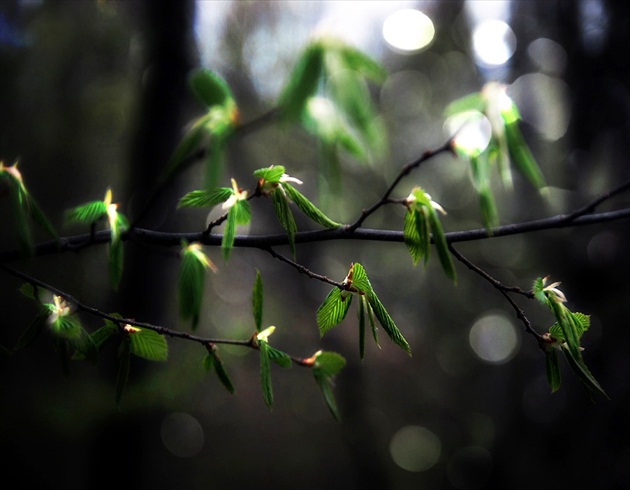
x: 301, y: 268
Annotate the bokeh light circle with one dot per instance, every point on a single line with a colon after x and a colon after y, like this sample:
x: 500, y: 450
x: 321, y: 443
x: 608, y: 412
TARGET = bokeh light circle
x: 408, y: 30
x: 494, y: 339
x: 494, y: 42
x: 182, y: 434
x: 415, y: 448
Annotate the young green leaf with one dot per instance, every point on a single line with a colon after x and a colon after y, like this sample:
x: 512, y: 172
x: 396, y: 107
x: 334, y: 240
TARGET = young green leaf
x: 87, y: 213
x: 470, y: 102
x: 416, y: 235
x: 257, y: 301
x: 285, y: 217
x: 282, y: 359
x: 362, y: 314
x: 190, y: 281
x: 209, y: 88
x: 270, y: 175
x: 147, y: 344
x: 579, y: 368
x: 333, y: 310
x: 307, y: 207
x: 205, y: 198
x: 552, y: 365
x: 103, y: 334
x: 522, y: 156
x: 387, y: 323
x: 265, y: 373
x: 325, y: 366
x: 441, y: 246
x: 302, y: 82
x: 212, y: 360
x: 229, y: 233
x: 66, y: 326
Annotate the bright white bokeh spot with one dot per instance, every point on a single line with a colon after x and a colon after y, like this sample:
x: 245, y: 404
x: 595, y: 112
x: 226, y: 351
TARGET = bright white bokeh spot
x: 415, y: 448
x: 408, y: 30
x: 494, y: 42
x: 472, y: 131
x: 494, y: 339
x: 182, y: 434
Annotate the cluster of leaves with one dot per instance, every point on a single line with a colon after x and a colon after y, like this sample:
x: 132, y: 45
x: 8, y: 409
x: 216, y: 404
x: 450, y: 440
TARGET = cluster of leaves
x: 491, y: 111
x: 91, y: 213
x: 337, y: 303
x: 564, y: 335
x: 73, y: 342
x: 25, y: 208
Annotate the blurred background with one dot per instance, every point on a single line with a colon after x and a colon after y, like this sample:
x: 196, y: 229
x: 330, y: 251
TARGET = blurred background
x: 93, y: 94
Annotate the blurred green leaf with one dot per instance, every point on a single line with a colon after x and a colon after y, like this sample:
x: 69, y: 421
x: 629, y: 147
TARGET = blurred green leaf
x: 361, y: 63
x: 257, y: 301
x: 270, y: 174
x: 481, y: 180
x: 208, y: 88
x: 326, y: 365
x: 282, y: 359
x: 333, y: 310
x: 416, y: 235
x: 205, y: 198
x: 470, y: 102
x: 67, y: 326
x: 104, y: 334
x: 190, y: 281
x: 441, y: 246
x: 303, y: 82
x: 522, y: 156
x: 87, y: 213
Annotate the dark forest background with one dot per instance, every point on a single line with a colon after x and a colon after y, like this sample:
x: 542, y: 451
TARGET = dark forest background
x: 93, y: 94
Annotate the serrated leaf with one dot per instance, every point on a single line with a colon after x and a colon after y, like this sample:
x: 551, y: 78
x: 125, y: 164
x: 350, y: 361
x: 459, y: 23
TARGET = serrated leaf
x: 308, y: 208
x: 579, y: 368
x: 190, y: 283
x: 265, y: 374
x: 302, y: 82
x: 333, y: 310
x: 148, y: 345
x: 285, y: 217
x: 270, y: 174
x: 257, y: 301
x: 552, y: 365
x: 209, y: 88
x: 242, y: 211
x: 205, y: 198
x: 387, y: 323
x: 282, y: 359
x: 416, y: 235
x: 359, y: 279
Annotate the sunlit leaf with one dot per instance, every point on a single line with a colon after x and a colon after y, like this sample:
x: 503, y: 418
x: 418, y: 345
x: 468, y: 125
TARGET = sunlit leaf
x: 361, y: 63
x: 148, y: 344
x: 87, y: 213
x: 270, y: 174
x: 205, y: 198
x: 67, y: 326
x: 522, y: 156
x: 333, y: 310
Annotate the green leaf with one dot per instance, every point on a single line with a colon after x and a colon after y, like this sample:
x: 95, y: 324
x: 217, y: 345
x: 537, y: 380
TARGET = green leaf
x: 361, y: 63
x: 257, y: 301
x: 67, y: 327
x: 522, y: 156
x: 190, y: 282
x: 282, y: 359
x: 85, y: 347
x: 285, y: 217
x: 229, y: 233
x: 538, y: 288
x: 104, y: 334
x: 359, y: 279
x: 552, y: 365
x: 326, y: 365
x: 209, y: 88
x: 87, y: 213
x: 441, y: 246
x: 205, y: 198
x: 579, y: 368
x: 270, y: 174
x: 148, y: 344
x: 387, y: 323
x: 362, y: 309
x: 242, y: 211
x: 213, y: 361
x: 265, y: 373
x: 581, y: 322
x: 308, y: 208
x: 481, y: 179
x: 570, y: 330
x: 333, y: 310
x: 302, y: 82
x: 416, y: 235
